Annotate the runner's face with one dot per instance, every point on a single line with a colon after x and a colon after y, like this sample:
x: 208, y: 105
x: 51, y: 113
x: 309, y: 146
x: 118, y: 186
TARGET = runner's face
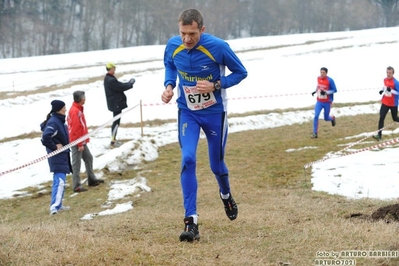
x: 389, y: 74
x: 323, y: 73
x: 190, y: 34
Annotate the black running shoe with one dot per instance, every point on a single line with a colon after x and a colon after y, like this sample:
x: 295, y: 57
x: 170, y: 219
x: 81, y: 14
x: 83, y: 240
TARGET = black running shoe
x: 333, y: 122
x: 230, y: 207
x: 314, y: 136
x: 190, y: 230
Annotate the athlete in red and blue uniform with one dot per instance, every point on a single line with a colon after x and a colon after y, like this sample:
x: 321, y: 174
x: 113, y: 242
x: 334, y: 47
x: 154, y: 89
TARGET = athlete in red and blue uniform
x: 199, y: 60
x: 325, y: 96
x: 389, y: 100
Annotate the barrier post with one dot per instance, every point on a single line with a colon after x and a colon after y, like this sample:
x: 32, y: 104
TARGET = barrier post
x: 141, y: 118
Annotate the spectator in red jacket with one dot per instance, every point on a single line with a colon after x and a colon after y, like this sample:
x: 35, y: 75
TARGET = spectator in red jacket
x: 116, y: 98
x: 77, y: 128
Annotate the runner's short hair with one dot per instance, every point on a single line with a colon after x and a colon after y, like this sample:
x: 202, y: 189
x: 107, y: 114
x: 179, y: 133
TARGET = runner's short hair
x: 324, y: 69
x: 188, y: 16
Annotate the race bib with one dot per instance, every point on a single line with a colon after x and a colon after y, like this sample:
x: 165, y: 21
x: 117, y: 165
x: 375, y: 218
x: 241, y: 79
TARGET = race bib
x: 321, y: 96
x: 196, y: 100
x: 388, y: 93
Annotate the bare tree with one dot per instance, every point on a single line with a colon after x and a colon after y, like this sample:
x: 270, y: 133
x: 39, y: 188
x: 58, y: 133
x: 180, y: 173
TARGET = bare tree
x: 5, y: 19
x: 71, y: 11
x: 106, y: 24
x: 262, y: 20
x: 31, y: 27
x: 390, y: 9
x: 88, y: 20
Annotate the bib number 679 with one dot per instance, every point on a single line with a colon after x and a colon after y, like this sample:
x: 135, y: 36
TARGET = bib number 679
x: 199, y: 97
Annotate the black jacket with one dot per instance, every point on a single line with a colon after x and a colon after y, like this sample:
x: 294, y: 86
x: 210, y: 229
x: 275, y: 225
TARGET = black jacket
x: 114, y: 92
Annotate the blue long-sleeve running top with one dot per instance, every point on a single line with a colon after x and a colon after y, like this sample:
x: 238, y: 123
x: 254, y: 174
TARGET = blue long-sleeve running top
x: 206, y: 61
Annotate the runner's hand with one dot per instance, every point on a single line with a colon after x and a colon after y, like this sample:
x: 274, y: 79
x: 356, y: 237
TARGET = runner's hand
x: 205, y: 86
x: 167, y: 95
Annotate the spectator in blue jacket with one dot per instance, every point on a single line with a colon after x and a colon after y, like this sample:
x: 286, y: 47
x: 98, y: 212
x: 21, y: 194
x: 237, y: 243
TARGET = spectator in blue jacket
x: 55, y: 136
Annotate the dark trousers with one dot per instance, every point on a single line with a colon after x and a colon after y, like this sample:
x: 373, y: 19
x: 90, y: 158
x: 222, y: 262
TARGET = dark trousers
x: 383, y: 113
x: 115, y: 126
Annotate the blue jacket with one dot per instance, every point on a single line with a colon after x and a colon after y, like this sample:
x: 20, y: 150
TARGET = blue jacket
x: 206, y: 61
x: 56, y: 132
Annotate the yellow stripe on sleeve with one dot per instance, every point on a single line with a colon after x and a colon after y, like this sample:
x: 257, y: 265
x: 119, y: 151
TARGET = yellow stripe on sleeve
x: 205, y: 51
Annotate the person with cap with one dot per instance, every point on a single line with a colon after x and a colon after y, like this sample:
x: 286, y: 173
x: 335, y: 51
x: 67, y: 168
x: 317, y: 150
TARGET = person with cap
x: 199, y: 60
x: 325, y: 96
x: 55, y: 136
x: 116, y: 98
x: 77, y: 129
x: 389, y: 101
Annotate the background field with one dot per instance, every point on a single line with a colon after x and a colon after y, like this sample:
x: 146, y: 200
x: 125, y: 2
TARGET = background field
x: 281, y: 221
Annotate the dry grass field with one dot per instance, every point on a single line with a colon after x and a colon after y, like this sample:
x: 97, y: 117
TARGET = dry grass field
x: 281, y: 220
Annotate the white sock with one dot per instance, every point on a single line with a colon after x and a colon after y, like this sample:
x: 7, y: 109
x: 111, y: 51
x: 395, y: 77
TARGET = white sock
x: 225, y: 196
x: 195, y: 218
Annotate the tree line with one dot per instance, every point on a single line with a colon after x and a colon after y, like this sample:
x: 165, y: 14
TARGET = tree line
x: 32, y: 28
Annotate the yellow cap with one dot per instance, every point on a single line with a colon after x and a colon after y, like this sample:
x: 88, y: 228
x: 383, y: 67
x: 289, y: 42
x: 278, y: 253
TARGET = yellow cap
x: 110, y: 65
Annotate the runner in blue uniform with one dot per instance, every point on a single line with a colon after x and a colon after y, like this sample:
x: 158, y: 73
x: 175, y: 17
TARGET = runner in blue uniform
x: 199, y: 60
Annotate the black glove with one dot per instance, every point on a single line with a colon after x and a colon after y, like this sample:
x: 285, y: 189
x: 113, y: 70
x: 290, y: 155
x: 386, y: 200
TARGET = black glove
x: 381, y: 91
x: 388, y: 89
x: 132, y: 80
x: 313, y: 93
x: 322, y: 93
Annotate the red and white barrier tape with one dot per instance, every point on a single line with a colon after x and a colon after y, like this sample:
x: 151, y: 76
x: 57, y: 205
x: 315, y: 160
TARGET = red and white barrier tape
x: 263, y: 96
x: 359, y: 141
x: 158, y: 104
x: 69, y: 145
x: 390, y: 142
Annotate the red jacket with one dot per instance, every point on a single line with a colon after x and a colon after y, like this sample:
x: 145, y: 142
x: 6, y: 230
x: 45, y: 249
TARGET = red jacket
x: 77, y: 123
